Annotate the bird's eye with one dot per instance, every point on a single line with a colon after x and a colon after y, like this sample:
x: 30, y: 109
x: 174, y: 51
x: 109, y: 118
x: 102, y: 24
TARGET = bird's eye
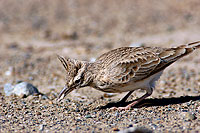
x: 77, y: 81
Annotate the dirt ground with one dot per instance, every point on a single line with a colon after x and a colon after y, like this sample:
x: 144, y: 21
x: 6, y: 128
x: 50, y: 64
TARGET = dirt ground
x: 32, y: 33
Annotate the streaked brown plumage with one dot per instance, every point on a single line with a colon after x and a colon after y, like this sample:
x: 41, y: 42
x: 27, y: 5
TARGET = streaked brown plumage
x: 123, y: 69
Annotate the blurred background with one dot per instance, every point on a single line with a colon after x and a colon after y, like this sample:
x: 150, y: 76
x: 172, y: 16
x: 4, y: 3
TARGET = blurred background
x: 32, y: 32
x: 110, y: 20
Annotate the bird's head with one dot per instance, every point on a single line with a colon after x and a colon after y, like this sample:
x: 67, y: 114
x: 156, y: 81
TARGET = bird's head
x: 75, y: 76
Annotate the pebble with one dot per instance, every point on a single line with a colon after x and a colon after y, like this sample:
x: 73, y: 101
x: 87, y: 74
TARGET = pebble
x: 77, y: 110
x: 109, y: 95
x: 78, y: 120
x: 38, y: 113
x: 115, y: 129
x: 136, y: 44
x: 8, y: 88
x: 116, y: 114
x: 50, y: 102
x: 154, y: 126
x: 130, y: 125
x: 92, y: 59
x: 188, y: 115
x: 20, y: 89
x: 41, y: 128
x: 136, y: 130
x: 9, y: 71
x: 88, y: 116
x: 44, y: 97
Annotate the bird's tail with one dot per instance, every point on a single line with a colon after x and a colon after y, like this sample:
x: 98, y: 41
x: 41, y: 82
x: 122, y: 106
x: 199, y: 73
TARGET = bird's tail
x: 173, y: 54
x: 195, y: 44
x: 170, y: 55
x: 191, y: 46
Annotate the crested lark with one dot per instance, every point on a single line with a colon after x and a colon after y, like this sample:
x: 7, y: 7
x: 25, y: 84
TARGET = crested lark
x: 123, y: 69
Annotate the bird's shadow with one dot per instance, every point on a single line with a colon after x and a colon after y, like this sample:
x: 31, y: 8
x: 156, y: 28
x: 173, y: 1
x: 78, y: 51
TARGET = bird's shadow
x: 153, y: 102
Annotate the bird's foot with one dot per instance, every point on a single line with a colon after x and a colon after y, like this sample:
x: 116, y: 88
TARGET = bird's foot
x: 129, y: 106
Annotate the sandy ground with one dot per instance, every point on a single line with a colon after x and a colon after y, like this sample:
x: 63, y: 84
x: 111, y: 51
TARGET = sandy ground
x: 84, y: 30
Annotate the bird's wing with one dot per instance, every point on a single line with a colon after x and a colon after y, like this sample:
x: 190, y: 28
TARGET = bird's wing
x: 132, y: 65
x: 134, y: 69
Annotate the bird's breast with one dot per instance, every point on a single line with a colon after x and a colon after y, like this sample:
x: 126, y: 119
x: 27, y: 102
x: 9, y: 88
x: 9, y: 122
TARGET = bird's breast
x: 129, y: 86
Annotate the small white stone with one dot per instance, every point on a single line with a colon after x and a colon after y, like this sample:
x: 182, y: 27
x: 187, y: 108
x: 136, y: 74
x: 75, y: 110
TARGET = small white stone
x: 8, y: 89
x: 188, y: 115
x: 9, y: 71
x: 41, y: 128
x: 92, y: 59
x: 136, y: 44
x: 25, y: 88
x: 136, y: 130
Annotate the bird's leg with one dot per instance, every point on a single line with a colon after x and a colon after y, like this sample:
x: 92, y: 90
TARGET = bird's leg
x: 123, y: 100
x: 148, y: 93
x: 126, y: 97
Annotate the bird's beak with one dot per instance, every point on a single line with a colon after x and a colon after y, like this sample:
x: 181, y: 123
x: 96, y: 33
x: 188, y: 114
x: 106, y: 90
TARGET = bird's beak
x: 64, y: 92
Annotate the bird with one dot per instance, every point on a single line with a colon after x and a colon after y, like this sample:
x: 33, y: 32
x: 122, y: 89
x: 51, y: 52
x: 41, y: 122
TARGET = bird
x: 123, y: 69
